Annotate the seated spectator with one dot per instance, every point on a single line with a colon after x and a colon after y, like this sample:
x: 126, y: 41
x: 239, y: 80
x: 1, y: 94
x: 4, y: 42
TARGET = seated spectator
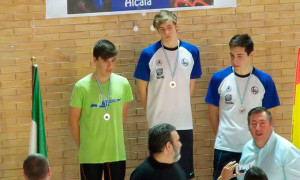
x: 164, y: 148
x: 278, y: 157
x: 36, y: 167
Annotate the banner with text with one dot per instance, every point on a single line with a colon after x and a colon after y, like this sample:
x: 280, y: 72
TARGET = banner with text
x: 79, y: 8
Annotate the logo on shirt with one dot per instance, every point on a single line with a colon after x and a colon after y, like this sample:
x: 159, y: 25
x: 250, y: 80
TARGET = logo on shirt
x: 159, y: 62
x: 160, y: 73
x: 228, y: 99
x: 102, y: 105
x: 184, y: 62
x: 228, y: 89
x: 254, y: 90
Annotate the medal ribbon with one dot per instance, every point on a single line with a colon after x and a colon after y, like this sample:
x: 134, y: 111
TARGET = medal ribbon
x: 173, y: 72
x: 106, y: 103
x: 245, y: 89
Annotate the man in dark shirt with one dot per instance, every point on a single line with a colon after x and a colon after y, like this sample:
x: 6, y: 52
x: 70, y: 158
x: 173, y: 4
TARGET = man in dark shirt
x: 164, y: 148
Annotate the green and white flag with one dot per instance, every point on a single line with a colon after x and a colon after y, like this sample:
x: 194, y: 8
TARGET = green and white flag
x: 37, y: 142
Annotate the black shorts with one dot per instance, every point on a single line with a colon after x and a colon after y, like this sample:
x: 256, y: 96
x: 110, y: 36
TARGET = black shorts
x: 186, y: 160
x: 112, y: 171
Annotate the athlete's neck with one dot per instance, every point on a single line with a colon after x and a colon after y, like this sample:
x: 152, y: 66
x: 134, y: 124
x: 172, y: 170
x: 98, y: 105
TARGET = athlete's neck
x: 170, y: 44
x: 101, y: 79
x: 244, y: 71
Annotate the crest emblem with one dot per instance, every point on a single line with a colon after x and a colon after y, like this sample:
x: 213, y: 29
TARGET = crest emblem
x: 160, y: 73
x: 228, y: 99
x: 184, y: 62
x: 254, y: 90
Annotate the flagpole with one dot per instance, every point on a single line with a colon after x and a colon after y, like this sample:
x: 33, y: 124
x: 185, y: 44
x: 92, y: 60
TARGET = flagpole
x: 33, y: 135
x: 33, y: 60
x: 37, y: 142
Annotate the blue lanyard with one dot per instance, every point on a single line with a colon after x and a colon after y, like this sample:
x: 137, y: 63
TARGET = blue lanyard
x: 106, y: 101
x: 245, y: 90
x: 176, y: 63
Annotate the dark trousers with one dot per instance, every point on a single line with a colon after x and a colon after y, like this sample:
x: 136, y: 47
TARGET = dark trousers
x: 112, y: 171
x: 186, y: 160
x: 221, y: 158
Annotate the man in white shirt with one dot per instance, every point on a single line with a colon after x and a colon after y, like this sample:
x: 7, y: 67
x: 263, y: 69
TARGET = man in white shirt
x: 278, y: 157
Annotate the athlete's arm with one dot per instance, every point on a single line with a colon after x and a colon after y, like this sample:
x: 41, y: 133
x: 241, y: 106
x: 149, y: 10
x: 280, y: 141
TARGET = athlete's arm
x: 74, y: 116
x: 125, y: 108
x: 213, y: 116
x: 143, y: 91
x: 192, y: 86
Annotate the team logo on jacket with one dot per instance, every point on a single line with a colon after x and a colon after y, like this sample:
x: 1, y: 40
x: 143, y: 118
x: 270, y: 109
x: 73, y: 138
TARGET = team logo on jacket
x: 254, y: 90
x: 160, y: 73
x: 159, y: 62
x: 184, y: 62
x: 228, y: 99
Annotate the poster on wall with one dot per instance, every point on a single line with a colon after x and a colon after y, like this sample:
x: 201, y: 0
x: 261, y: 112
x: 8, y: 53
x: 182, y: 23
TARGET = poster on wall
x: 79, y: 8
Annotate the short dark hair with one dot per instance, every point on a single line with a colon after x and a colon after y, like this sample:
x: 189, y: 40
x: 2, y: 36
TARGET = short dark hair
x: 104, y: 49
x: 242, y: 40
x: 36, y: 166
x: 159, y: 135
x: 257, y: 110
x: 255, y: 173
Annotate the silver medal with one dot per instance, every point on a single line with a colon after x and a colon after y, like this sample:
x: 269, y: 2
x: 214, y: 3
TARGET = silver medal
x: 172, y: 84
x: 106, y: 116
x: 242, y: 109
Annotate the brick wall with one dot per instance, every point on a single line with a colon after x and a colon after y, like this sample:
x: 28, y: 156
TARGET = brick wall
x: 63, y: 48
